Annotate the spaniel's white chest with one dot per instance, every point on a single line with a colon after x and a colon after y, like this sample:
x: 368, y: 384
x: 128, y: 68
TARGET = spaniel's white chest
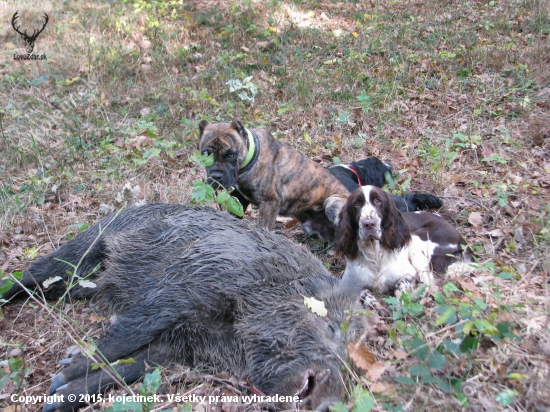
x: 377, y: 269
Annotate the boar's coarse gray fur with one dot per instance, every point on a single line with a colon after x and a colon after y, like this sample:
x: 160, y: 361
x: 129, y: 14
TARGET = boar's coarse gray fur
x: 199, y: 287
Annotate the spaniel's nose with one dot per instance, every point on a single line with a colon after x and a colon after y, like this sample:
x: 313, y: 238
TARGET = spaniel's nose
x: 368, y: 224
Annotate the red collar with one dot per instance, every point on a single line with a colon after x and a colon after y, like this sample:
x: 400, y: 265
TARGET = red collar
x: 356, y: 174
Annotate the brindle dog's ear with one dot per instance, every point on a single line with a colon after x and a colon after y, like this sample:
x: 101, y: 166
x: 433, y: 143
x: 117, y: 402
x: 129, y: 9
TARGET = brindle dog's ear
x: 239, y: 127
x: 202, y: 126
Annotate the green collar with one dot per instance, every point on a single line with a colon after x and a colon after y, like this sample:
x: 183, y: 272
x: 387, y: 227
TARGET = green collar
x: 251, y: 146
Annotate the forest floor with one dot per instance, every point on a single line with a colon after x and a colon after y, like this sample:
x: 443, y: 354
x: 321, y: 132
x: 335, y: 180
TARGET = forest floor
x: 456, y: 95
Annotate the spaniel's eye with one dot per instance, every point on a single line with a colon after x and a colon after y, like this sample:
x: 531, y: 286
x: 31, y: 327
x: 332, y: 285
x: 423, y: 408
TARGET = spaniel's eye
x: 357, y: 204
x: 377, y: 202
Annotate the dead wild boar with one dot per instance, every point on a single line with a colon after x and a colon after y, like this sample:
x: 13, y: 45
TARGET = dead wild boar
x: 195, y: 286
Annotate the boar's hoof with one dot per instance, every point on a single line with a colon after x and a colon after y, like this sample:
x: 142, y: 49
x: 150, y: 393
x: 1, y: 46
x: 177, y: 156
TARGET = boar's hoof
x: 57, y: 383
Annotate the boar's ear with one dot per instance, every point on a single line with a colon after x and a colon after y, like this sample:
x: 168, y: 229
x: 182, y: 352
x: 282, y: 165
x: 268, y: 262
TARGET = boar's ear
x: 202, y: 126
x: 239, y: 127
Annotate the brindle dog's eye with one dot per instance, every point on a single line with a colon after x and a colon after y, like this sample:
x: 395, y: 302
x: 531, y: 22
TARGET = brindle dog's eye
x: 229, y: 155
x: 377, y: 202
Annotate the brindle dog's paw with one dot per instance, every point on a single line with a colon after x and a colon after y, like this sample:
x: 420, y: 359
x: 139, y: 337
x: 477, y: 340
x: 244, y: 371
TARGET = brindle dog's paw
x: 369, y: 301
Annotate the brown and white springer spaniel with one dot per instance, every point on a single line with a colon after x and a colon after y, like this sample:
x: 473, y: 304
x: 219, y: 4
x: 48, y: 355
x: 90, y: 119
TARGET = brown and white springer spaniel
x: 387, y: 250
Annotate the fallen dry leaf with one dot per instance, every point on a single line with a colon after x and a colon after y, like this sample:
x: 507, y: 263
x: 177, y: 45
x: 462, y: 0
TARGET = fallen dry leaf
x: 144, y: 43
x: 495, y: 233
x: 15, y: 253
x: 467, y: 284
x: 379, y: 387
x: 375, y: 371
x: 365, y: 359
x: 140, y: 141
x: 475, y: 219
x: 361, y: 355
x: 95, y: 318
x: 399, y: 153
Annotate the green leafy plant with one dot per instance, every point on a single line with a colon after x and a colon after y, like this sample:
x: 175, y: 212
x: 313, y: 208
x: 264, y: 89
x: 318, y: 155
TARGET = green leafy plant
x: 150, y: 385
x: 204, y: 193
x: 7, y: 284
x: 407, y: 304
x: 471, y: 319
x: 362, y: 401
x: 503, y: 191
x: 246, y: 90
x: 14, y: 370
x: 360, y: 140
x: 365, y: 100
x: 286, y: 107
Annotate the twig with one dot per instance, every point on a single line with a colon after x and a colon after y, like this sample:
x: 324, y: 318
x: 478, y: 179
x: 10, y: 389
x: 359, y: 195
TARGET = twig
x: 468, y: 199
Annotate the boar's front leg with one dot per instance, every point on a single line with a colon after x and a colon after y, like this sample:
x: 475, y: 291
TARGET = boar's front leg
x: 79, y: 379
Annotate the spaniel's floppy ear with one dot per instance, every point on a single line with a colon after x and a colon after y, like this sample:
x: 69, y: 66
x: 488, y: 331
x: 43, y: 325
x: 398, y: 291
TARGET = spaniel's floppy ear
x: 345, y: 244
x: 395, y: 232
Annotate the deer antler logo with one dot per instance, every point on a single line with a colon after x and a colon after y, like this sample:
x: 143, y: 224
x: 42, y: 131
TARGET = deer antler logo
x: 29, y: 40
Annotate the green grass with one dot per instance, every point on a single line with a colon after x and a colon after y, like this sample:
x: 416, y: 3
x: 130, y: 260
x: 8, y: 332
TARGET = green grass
x: 454, y: 94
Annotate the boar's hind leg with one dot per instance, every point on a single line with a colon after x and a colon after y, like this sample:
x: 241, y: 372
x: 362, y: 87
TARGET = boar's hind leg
x: 78, y: 379
x: 54, y: 265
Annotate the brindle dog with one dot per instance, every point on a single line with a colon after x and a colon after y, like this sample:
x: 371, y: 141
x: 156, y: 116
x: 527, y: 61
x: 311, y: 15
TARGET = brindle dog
x: 270, y: 174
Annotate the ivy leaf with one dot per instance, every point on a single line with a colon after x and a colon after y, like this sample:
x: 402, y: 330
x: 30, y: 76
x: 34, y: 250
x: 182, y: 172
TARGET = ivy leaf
x: 505, y: 275
x: 202, y: 193
x: 4, y: 287
x: 208, y: 161
x: 451, y: 347
x: 202, y: 160
x: 235, y: 207
x: 480, y: 304
x: 436, y: 361
x: 222, y: 197
x: 447, y: 317
x: 404, y: 380
x: 419, y: 349
x: 449, y: 288
x: 4, y: 380
x: 339, y: 407
x: 125, y: 406
x: 439, y: 298
x: 364, y: 402
x: 420, y: 370
x: 469, y: 343
x: 430, y: 379
x: 151, y: 383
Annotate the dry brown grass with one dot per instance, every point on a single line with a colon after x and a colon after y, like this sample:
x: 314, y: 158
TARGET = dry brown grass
x: 448, y: 85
